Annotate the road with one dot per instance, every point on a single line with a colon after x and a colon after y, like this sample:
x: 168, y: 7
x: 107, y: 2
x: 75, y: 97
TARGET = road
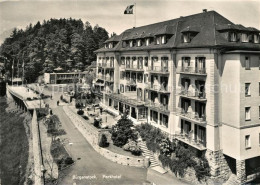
x: 91, y: 164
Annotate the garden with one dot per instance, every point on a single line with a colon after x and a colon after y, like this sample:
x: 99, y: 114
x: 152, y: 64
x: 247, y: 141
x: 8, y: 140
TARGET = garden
x: 174, y: 155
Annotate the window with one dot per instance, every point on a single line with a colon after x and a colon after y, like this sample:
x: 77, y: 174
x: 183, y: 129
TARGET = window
x: 122, y: 60
x: 247, y: 114
x: 139, y: 43
x: 185, y: 62
x: 110, y: 45
x: 157, y: 40
x: 256, y: 38
x: 232, y: 37
x: 147, y: 41
x: 164, y: 39
x: 247, y: 61
x: 259, y: 112
x: 259, y: 138
x: 259, y: 88
x: 124, y: 44
x: 245, y: 37
x: 247, y: 89
x: 131, y: 43
x: 247, y: 141
x: 121, y: 88
x: 186, y: 37
x: 259, y: 62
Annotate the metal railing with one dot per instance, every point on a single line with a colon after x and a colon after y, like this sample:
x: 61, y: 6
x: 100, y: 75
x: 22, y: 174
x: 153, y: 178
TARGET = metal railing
x: 158, y: 69
x: 188, y: 138
x: 192, y: 116
x: 159, y: 88
x: 197, y: 94
x: 192, y: 70
x: 130, y: 81
x: 134, y: 67
x: 157, y: 106
x: 109, y: 78
x: 106, y: 65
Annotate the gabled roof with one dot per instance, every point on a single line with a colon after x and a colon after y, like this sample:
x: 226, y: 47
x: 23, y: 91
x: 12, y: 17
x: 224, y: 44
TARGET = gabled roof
x: 114, y: 38
x: 208, y: 26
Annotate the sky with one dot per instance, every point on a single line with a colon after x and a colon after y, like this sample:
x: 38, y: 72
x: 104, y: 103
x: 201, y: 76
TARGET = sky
x: 109, y: 13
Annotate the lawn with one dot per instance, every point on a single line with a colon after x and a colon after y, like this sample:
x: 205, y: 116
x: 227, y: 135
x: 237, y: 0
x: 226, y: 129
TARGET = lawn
x: 119, y: 150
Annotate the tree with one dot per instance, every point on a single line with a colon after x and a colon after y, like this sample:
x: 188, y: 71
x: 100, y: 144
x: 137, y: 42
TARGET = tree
x: 123, y: 131
x: 103, y: 141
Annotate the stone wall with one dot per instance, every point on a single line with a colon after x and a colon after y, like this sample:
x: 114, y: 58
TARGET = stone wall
x: 92, y: 135
x: 38, y: 176
x: 218, y: 164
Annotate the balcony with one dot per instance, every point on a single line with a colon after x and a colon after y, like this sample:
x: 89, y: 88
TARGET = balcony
x: 134, y: 67
x: 97, y: 92
x: 109, y: 79
x: 106, y: 65
x: 101, y: 77
x: 192, y: 71
x: 130, y: 81
x: 99, y: 84
x: 127, y: 100
x: 157, y: 88
x: 191, y: 116
x: 198, y: 96
x: 157, y: 107
x: 158, y: 70
x: 187, y: 138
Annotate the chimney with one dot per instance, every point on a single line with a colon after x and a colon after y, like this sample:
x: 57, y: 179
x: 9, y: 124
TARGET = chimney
x: 204, y: 10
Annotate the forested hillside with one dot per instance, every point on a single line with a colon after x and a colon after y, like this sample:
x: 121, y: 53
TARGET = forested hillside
x: 65, y: 43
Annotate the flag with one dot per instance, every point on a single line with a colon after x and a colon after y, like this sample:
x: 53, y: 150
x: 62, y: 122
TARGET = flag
x: 129, y: 9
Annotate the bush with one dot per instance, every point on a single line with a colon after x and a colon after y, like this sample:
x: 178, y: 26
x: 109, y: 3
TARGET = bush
x: 80, y: 112
x: 68, y: 161
x: 103, y: 141
x: 133, y: 148
x: 96, y: 123
x: 79, y: 105
x: 85, y: 117
x: 122, y: 131
x: 29, y: 99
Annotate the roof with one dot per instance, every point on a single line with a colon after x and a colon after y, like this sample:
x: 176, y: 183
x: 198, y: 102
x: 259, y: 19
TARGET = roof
x: 114, y: 38
x: 209, y: 27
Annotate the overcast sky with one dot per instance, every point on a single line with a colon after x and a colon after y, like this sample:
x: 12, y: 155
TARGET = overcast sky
x: 109, y: 13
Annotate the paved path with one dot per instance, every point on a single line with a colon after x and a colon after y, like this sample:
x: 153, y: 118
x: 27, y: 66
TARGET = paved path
x: 93, y: 164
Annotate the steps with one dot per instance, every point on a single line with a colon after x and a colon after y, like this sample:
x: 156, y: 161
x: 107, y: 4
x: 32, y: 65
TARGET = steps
x: 232, y: 180
x: 147, y: 153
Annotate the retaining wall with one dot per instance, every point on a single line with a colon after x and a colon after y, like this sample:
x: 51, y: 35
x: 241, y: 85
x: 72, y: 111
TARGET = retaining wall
x: 92, y: 135
x: 37, y: 158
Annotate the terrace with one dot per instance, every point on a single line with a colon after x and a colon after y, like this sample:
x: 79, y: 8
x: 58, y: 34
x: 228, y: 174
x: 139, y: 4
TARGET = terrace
x: 187, y: 138
x: 192, y: 70
x: 197, y: 95
x: 191, y: 116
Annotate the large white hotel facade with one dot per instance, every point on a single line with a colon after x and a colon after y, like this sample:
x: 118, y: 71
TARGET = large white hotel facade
x: 197, y: 78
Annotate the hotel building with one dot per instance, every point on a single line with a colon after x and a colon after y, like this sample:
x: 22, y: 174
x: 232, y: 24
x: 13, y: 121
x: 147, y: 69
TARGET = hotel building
x: 197, y: 78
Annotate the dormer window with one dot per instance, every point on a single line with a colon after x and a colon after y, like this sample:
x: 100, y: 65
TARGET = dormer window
x: 147, y: 41
x: 186, y: 37
x: 256, y: 38
x: 110, y: 45
x: 139, y: 43
x: 124, y: 44
x: 232, y: 36
x: 157, y: 40
x: 163, y: 39
x: 131, y: 43
x: 245, y: 37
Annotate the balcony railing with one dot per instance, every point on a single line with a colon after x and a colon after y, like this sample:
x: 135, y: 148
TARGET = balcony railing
x: 106, y: 65
x: 102, y: 77
x: 127, y: 100
x: 158, y: 69
x: 99, y: 84
x: 157, y: 106
x: 191, y: 116
x: 97, y: 92
x: 158, y: 88
x: 109, y: 79
x: 130, y: 81
x: 134, y: 67
x: 187, y: 138
x: 197, y: 95
x: 192, y: 70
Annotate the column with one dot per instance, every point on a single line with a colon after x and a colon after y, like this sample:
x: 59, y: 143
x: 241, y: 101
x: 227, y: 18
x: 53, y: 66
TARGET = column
x: 193, y: 130
x: 241, y: 170
x: 137, y: 112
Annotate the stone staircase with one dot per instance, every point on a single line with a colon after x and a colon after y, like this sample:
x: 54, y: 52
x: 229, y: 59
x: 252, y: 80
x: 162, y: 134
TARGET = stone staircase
x: 147, y: 153
x: 232, y: 180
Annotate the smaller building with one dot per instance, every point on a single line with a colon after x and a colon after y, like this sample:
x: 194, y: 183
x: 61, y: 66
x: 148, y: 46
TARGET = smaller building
x: 64, y: 78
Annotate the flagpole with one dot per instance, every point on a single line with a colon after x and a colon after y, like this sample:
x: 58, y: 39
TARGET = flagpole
x: 135, y: 14
x: 13, y: 73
